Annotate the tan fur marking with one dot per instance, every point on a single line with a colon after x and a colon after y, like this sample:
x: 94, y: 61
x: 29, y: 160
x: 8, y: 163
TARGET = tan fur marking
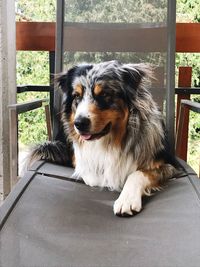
x: 156, y: 173
x: 72, y: 133
x: 119, y: 129
x: 153, y: 176
x: 98, y: 89
x: 73, y: 161
x: 118, y: 118
x: 79, y: 89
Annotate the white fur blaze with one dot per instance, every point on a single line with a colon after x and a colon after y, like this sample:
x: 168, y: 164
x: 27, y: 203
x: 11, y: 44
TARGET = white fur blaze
x: 82, y: 109
x: 130, y: 199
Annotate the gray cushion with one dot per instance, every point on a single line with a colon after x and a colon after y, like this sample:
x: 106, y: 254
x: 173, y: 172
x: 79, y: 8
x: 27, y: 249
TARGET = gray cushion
x: 59, y: 222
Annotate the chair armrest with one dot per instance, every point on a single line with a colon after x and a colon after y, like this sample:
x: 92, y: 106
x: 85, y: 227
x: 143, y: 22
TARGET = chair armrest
x: 24, y: 107
x: 194, y: 106
x: 33, y: 88
x: 14, y: 111
x: 185, y: 107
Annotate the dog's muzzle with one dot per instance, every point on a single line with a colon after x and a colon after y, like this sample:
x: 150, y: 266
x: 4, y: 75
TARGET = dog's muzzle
x: 82, y: 126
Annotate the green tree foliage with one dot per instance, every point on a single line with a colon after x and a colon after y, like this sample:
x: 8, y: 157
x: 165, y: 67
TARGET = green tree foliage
x: 188, y: 11
x: 32, y: 68
x: 36, y: 10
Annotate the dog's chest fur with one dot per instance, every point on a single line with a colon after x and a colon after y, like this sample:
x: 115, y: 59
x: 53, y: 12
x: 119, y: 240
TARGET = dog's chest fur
x: 102, y: 165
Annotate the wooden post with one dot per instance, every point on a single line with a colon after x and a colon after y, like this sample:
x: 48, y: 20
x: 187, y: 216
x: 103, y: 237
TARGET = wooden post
x: 7, y: 88
x: 184, y: 80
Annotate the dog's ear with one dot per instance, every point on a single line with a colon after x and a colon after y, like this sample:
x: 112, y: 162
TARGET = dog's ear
x: 134, y: 74
x: 64, y: 80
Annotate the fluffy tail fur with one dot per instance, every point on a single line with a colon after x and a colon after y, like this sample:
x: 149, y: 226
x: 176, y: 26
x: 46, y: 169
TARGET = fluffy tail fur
x: 55, y: 152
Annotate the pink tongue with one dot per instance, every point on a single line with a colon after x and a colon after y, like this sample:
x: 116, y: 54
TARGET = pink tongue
x: 86, y: 136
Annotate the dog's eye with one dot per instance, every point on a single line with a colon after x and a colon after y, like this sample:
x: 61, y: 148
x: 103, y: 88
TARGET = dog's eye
x: 76, y: 98
x: 76, y: 95
x: 104, y: 94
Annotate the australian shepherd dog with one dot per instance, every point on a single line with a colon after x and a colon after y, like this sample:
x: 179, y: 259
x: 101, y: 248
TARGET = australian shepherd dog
x: 116, y: 131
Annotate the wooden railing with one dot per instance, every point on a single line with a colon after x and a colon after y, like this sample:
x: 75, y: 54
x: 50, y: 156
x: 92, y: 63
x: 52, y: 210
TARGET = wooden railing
x: 40, y: 36
x: 188, y: 37
x: 35, y: 36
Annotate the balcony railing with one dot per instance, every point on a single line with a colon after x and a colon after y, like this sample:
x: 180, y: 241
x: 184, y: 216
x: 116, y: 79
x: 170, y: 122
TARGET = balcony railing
x: 40, y: 36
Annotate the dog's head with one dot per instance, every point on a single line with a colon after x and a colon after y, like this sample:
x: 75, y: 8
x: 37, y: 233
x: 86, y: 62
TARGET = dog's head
x: 97, y: 98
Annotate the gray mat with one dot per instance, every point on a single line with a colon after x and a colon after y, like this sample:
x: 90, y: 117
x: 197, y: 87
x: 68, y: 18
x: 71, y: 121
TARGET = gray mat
x: 64, y: 223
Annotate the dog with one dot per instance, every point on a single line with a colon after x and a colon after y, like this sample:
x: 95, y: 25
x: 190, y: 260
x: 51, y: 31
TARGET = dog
x: 116, y: 129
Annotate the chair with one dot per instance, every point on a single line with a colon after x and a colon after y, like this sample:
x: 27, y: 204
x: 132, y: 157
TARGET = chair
x: 52, y: 220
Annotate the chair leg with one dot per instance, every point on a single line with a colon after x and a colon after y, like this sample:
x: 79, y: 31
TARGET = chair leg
x: 48, y: 122
x: 181, y: 150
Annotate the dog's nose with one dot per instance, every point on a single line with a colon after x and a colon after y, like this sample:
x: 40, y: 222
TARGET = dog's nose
x: 82, y: 123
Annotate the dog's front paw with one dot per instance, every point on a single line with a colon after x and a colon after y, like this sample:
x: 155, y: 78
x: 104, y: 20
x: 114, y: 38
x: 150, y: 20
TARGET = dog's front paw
x: 127, y: 205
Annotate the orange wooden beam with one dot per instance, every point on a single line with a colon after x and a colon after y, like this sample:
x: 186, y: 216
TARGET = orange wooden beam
x: 40, y: 36
x: 188, y: 37
x: 35, y: 36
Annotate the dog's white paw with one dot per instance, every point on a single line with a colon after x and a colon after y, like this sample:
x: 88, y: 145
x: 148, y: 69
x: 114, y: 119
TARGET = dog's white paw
x: 127, y: 205
x: 130, y: 200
